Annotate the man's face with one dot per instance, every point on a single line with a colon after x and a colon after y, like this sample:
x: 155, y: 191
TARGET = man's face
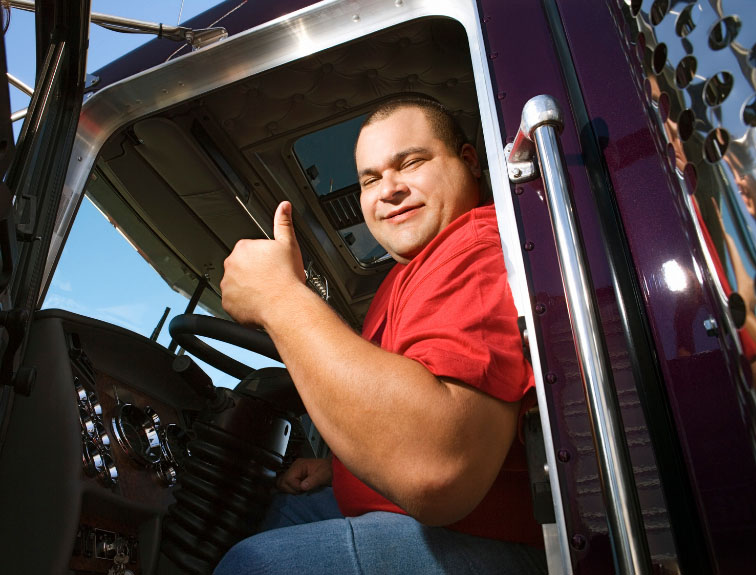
x: 412, y: 185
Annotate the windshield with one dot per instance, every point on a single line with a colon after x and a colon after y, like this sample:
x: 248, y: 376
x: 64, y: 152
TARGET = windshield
x: 101, y: 275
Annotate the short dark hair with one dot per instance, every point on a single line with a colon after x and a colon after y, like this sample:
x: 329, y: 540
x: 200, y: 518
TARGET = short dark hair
x: 442, y: 121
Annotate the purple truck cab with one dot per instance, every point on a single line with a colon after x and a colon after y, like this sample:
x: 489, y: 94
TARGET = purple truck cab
x: 619, y: 145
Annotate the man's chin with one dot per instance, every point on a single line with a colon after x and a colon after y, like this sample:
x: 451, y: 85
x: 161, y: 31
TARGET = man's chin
x: 404, y: 256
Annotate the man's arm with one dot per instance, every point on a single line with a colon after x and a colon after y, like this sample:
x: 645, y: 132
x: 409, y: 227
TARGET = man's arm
x: 432, y: 446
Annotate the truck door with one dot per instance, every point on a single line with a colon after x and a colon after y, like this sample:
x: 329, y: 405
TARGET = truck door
x: 658, y: 101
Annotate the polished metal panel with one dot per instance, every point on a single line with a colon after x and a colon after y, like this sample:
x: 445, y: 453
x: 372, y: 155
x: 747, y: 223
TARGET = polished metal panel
x: 541, y: 122
x: 554, y: 561
x: 698, y: 62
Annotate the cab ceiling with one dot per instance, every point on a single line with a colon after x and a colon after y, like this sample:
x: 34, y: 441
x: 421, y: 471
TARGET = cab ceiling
x: 202, y: 175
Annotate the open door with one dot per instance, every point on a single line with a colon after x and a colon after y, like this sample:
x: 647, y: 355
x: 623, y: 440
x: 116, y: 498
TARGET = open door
x: 31, y: 190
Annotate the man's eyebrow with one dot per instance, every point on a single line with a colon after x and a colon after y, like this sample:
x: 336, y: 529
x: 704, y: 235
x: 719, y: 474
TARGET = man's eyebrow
x: 395, y: 159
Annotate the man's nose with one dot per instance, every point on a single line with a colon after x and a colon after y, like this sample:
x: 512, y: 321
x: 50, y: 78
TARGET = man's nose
x: 393, y: 187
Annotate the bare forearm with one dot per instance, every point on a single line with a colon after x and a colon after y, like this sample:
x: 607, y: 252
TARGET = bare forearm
x: 390, y: 420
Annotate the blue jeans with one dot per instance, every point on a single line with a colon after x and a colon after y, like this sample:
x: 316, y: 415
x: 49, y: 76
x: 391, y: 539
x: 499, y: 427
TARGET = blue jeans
x: 307, y: 534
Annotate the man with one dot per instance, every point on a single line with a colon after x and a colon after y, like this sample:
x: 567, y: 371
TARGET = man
x: 421, y: 426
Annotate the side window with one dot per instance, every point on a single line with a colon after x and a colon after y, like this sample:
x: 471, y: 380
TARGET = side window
x: 326, y: 158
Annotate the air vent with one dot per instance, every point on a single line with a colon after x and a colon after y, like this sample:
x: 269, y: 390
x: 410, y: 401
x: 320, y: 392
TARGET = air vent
x: 343, y: 207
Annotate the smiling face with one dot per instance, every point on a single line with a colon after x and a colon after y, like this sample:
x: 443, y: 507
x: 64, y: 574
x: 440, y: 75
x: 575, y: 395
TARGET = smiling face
x: 412, y: 184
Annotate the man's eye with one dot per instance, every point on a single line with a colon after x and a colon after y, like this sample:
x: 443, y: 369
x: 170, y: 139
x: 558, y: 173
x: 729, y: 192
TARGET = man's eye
x: 411, y: 163
x: 368, y: 182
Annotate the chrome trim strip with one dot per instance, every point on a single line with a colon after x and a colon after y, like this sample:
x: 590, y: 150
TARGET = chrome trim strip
x: 541, y: 121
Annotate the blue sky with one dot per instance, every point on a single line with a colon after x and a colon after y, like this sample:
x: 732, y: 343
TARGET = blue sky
x: 99, y: 274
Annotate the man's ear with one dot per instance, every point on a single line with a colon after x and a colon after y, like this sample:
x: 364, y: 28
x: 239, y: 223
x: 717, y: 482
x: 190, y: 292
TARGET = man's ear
x: 470, y: 157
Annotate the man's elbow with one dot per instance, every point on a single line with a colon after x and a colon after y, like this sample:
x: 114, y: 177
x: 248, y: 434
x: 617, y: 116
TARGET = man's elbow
x: 437, y: 500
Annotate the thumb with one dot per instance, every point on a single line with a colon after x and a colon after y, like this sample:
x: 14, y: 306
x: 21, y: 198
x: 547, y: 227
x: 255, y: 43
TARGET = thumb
x: 283, y: 226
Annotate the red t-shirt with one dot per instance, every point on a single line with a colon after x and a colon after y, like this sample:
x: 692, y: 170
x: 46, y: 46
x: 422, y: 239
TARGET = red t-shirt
x: 451, y: 309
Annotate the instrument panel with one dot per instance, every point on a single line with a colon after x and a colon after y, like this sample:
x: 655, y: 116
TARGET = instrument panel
x: 127, y: 427
x: 128, y: 446
x: 133, y: 445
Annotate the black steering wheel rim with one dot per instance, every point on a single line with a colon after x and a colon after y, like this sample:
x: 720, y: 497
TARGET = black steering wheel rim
x: 185, y: 328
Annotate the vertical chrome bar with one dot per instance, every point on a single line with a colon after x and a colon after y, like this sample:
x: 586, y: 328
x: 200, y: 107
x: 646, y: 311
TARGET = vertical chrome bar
x: 541, y: 122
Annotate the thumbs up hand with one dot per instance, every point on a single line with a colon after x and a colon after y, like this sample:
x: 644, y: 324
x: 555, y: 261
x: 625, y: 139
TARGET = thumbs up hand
x: 258, y: 272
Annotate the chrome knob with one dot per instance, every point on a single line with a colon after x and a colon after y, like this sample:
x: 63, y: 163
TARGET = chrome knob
x: 108, y: 474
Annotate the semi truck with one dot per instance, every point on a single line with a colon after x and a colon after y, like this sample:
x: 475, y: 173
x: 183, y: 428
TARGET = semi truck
x: 618, y: 141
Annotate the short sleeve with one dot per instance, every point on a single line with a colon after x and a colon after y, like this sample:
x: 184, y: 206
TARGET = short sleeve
x: 460, y: 322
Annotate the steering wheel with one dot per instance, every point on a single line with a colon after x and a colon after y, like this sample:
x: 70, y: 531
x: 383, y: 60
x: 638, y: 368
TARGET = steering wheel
x: 186, y: 327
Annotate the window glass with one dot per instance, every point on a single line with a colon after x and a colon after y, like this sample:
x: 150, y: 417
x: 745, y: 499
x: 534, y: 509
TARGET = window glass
x: 100, y: 275
x: 327, y: 158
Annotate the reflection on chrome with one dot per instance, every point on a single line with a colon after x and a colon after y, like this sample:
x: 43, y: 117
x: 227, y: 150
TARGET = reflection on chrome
x: 102, y: 437
x: 87, y: 423
x: 175, y: 445
x: 81, y: 395
x: 697, y: 63
x: 674, y: 276
x: 96, y: 407
x: 91, y: 458
x: 95, y: 448
x: 108, y: 474
x: 135, y: 432
x: 166, y: 473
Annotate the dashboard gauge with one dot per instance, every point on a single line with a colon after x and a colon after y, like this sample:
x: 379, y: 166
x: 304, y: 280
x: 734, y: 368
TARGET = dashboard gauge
x: 134, y: 430
x: 174, y: 442
x: 98, y: 462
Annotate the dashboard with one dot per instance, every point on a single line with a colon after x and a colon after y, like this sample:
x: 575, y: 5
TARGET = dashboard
x: 115, y: 457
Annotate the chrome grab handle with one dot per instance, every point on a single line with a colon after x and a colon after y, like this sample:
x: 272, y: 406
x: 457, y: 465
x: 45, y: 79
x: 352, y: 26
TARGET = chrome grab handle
x: 541, y: 123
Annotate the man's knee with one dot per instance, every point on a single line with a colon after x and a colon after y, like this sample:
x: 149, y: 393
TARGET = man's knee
x: 244, y: 558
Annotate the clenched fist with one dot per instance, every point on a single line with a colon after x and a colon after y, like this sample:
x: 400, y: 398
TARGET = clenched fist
x: 305, y: 475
